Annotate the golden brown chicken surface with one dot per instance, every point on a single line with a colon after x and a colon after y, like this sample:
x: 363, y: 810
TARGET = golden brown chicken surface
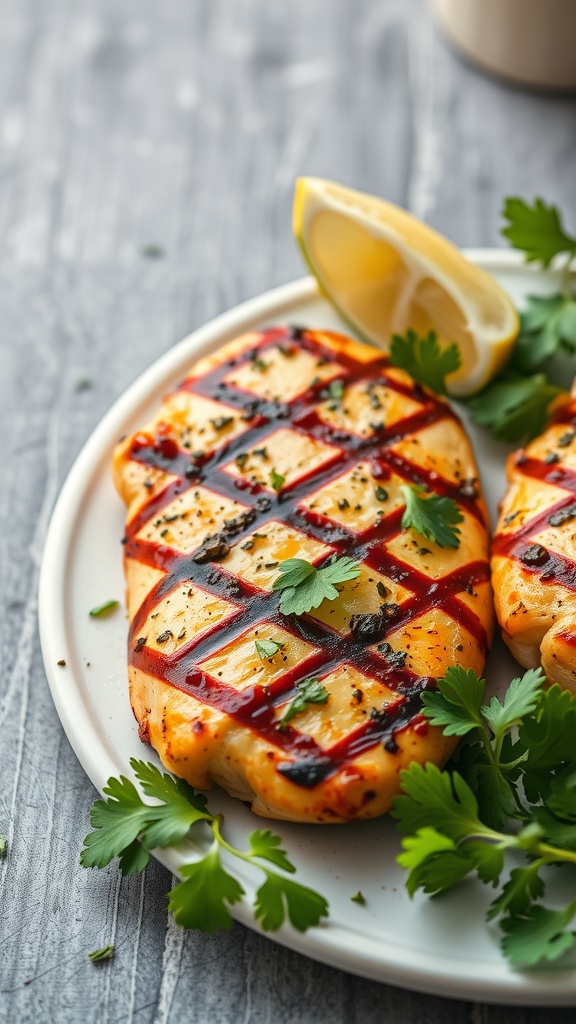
x: 290, y: 443
x: 534, y: 552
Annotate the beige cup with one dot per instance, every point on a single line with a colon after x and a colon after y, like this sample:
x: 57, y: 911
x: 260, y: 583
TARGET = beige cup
x: 532, y: 42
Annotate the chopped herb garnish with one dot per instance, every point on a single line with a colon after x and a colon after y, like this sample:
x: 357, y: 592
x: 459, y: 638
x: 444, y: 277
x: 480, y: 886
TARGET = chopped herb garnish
x: 359, y: 898
x: 101, y: 954
x: 220, y: 422
x: 104, y: 609
x: 3, y: 847
x: 258, y: 364
x: 268, y: 648
x: 381, y: 494
x: 382, y: 590
x: 165, y: 636
x: 277, y: 480
x: 343, y: 504
x: 304, y: 587
x: 126, y: 827
x: 334, y: 392
x: 152, y: 251
x: 262, y: 452
x: 310, y: 691
x: 241, y: 460
x: 433, y: 517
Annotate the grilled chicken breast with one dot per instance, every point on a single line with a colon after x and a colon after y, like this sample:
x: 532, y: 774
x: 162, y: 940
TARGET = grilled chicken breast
x: 534, y: 552
x: 293, y: 443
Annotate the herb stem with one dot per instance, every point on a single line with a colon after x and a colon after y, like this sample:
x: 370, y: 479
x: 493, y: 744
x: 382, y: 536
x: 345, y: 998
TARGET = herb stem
x: 566, y: 275
x: 219, y: 839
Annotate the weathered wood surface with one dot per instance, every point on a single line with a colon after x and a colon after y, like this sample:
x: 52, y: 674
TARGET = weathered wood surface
x: 183, y: 124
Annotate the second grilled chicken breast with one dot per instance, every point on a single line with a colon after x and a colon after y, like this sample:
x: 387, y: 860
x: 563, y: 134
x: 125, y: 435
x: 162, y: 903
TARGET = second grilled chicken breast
x: 534, y: 552
x: 290, y: 443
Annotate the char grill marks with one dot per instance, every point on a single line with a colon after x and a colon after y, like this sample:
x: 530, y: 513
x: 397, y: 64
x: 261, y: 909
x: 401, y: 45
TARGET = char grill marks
x: 521, y: 541
x: 259, y: 426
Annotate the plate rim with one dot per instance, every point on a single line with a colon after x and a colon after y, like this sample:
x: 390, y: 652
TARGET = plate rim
x: 325, y: 944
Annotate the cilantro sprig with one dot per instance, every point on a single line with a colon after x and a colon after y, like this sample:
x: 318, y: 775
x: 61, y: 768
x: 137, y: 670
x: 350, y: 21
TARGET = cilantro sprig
x: 424, y: 359
x: 510, y: 791
x: 432, y: 516
x: 305, y: 587
x: 126, y: 827
x: 516, y: 404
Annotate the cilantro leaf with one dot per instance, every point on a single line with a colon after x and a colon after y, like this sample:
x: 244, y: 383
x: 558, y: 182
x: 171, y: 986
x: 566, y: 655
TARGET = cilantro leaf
x: 514, y: 407
x: 560, y: 833
x: 537, y: 230
x: 200, y: 900
x: 431, y: 798
x: 522, y: 888
x: 539, y: 935
x: 487, y: 857
x: 305, y: 587
x: 424, y: 360
x: 433, y: 517
x: 266, y: 845
x: 547, y: 737
x: 456, y: 704
x: 293, y: 572
x: 433, y: 860
x: 278, y: 896
x: 276, y: 480
x: 520, y: 700
x: 310, y: 691
x: 268, y: 648
x: 548, y: 325
x: 125, y: 826
x: 562, y: 799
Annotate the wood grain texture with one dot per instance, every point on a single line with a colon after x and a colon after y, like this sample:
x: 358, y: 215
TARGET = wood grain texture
x: 182, y: 125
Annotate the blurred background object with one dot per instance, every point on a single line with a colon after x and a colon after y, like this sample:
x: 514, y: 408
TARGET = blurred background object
x: 528, y: 41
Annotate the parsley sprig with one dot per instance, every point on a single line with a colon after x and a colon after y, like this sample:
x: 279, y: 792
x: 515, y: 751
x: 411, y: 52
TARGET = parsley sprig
x: 432, y: 516
x: 424, y: 359
x: 126, y: 827
x: 305, y: 587
x: 511, y: 790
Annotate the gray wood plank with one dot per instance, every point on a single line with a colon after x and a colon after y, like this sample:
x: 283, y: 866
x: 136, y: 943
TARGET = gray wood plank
x: 182, y: 125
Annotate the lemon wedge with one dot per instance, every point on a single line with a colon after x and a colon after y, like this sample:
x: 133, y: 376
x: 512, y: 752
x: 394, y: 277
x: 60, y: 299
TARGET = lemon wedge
x: 386, y: 271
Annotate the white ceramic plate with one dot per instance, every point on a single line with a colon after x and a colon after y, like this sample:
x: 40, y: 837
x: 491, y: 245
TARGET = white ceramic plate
x: 442, y: 946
